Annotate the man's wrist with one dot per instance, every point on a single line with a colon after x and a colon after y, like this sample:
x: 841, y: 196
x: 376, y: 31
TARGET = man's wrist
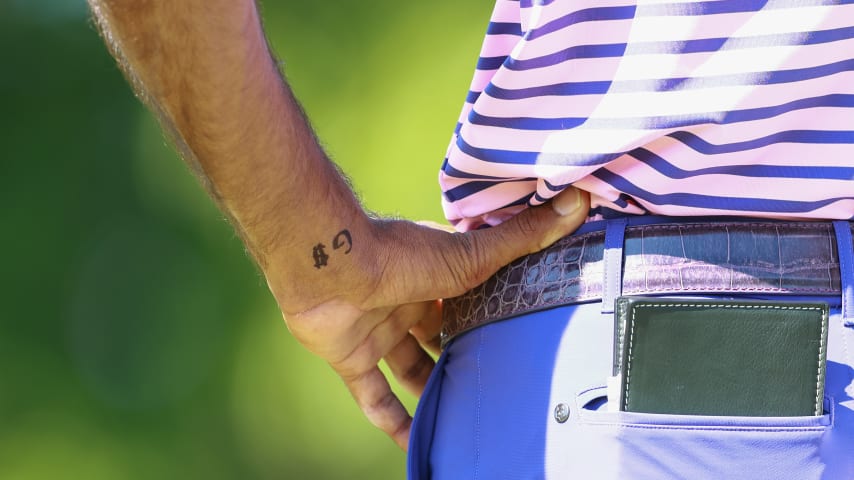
x: 340, y: 260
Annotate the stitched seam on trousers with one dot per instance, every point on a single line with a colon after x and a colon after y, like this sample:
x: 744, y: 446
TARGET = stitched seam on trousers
x: 813, y: 428
x: 477, y: 408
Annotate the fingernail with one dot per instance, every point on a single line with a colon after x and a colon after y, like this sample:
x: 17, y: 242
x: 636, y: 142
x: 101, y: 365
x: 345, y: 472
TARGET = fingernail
x: 566, y: 203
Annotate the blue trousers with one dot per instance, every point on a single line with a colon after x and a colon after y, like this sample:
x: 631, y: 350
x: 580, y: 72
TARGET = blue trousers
x: 489, y: 413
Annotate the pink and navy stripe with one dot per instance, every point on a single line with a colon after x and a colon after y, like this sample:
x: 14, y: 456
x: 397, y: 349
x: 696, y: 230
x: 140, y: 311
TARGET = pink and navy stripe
x: 728, y: 107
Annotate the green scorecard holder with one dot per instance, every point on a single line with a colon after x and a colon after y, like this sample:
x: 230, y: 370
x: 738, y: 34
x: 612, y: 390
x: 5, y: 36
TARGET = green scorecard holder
x: 726, y: 358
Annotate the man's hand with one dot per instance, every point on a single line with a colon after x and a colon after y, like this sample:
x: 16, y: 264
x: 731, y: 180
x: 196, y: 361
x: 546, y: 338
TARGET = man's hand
x: 353, y: 289
x: 394, y: 317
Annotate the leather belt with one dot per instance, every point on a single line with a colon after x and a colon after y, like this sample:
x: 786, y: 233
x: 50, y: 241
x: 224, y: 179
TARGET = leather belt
x: 781, y: 258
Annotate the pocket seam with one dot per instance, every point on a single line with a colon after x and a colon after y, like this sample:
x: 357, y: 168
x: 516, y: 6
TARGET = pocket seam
x: 586, y: 417
x: 805, y: 429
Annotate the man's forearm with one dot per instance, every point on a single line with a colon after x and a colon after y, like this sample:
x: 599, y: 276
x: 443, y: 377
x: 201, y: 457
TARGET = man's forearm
x: 354, y: 290
x: 205, y: 66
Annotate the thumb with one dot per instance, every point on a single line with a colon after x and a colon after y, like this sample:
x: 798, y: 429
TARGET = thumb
x: 437, y: 264
x: 480, y: 253
x: 530, y: 231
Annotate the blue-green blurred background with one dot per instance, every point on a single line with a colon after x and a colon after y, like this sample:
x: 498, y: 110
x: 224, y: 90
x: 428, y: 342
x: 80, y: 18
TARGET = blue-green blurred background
x: 138, y: 340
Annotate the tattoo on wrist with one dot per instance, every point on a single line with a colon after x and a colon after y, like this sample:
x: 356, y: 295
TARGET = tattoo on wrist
x: 343, y: 240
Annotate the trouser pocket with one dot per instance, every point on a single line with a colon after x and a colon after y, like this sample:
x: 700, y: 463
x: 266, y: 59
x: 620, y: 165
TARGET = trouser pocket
x: 662, y: 446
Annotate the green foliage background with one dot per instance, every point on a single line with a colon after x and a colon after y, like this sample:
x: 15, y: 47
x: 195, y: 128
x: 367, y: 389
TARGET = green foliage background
x: 137, y: 340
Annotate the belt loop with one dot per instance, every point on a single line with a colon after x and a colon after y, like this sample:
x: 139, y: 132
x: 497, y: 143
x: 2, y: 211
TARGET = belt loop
x: 612, y: 258
x: 845, y: 249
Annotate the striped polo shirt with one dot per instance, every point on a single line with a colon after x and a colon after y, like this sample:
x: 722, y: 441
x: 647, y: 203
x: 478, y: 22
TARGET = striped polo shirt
x: 685, y: 108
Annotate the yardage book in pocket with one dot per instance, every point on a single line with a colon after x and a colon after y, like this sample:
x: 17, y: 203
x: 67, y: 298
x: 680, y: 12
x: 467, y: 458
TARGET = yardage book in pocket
x: 728, y: 358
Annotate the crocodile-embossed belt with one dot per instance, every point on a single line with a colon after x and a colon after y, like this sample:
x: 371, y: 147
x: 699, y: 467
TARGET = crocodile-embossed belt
x: 788, y: 258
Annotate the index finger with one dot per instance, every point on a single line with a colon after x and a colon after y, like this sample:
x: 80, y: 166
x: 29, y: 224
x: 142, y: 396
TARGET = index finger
x: 380, y: 405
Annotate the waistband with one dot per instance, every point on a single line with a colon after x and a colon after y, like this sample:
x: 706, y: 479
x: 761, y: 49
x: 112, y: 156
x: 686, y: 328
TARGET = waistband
x: 695, y: 257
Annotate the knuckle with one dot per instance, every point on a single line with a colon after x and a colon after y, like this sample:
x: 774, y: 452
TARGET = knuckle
x: 526, y: 223
x: 360, y: 360
x: 399, y: 430
x: 384, y: 402
x: 418, y: 370
x: 474, y: 268
x: 379, y: 409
